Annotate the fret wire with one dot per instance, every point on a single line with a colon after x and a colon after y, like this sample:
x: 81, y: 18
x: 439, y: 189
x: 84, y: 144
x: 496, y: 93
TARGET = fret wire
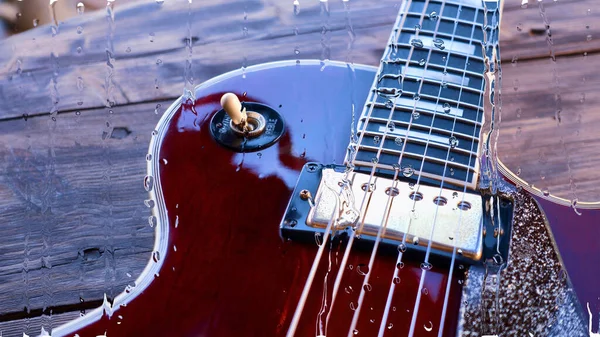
x: 452, y: 181
x: 434, y: 81
x: 430, y: 112
x: 447, y: 19
x: 468, y: 72
x: 421, y: 141
x: 417, y: 155
x: 428, y: 251
x: 401, y: 44
x: 464, y: 136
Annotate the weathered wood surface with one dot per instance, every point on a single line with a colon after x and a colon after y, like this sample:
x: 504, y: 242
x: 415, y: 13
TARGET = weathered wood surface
x: 71, y: 194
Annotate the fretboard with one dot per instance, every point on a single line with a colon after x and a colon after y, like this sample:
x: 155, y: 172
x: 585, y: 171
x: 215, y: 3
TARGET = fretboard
x: 424, y: 114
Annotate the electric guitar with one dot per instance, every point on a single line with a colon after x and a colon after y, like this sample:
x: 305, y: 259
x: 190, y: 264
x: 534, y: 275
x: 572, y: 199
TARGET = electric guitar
x: 319, y: 198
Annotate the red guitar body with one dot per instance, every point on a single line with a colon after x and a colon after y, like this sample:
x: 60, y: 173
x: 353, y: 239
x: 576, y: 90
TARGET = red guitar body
x: 222, y: 269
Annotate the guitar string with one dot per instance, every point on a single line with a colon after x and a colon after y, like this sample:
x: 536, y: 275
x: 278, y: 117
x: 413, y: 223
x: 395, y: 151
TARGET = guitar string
x: 366, y: 190
x: 448, y: 284
x: 393, y: 37
x: 427, y: 254
x: 315, y: 265
x: 385, y: 316
x: 399, y: 22
x: 383, y: 226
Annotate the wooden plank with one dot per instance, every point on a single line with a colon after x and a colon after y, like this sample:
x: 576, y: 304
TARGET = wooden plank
x: 572, y: 24
x: 220, y: 46
x: 548, y: 153
x: 33, y: 326
x: 74, y: 219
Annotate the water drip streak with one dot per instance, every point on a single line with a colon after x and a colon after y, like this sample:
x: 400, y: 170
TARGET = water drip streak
x: 325, y: 28
x: 46, y: 231
x: 558, y: 105
x: 188, y: 74
x: 108, y: 228
x: 350, y: 30
x: 110, y: 55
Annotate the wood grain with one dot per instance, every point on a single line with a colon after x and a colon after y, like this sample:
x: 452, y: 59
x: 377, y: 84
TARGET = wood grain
x: 74, y: 220
x: 67, y: 193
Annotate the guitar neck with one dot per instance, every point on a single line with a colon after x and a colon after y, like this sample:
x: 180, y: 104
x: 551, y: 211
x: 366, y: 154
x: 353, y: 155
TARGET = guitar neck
x: 424, y: 115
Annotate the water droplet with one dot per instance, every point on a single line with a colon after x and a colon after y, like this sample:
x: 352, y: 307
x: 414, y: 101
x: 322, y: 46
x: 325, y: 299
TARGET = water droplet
x: 152, y: 221
x: 318, y: 239
x: 519, y: 27
x: 390, y: 326
x: 36, y: 22
x: 422, y: 62
x: 416, y: 43
x: 80, y: 8
x: 546, y: 192
x: 151, y: 36
x: 355, y: 330
x: 433, y: 16
x: 156, y: 256
x: 148, y: 183
x: 396, y: 280
x: 426, y: 266
x: 428, y: 326
x: 415, y: 115
x: 588, y: 37
x: 398, y: 141
x: 362, y: 269
x: 400, y: 265
x: 296, y: 7
x: 349, y: 290
x: 439, y: 43
x: 297, y: 51
x: 453, y: 142
x: 376, y: 140
x: 391, y: 126
x: 158, y: 62
x: 367, y: 287
x: 128, y: 50
x: 447, y: 107
x: 158, y: 106
x: 374, y: 160
x: 425, y: 291
x: 79, y: 49
x: 407, y: 171
x: 417, y: 27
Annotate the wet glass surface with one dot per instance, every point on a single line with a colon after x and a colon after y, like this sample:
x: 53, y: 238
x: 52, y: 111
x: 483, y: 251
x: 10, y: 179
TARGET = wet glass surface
x: 84, y: 85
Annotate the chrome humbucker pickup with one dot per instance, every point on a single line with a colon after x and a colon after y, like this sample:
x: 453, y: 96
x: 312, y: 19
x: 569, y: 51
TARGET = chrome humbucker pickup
x: 451, y: 222
x: 449, y: 219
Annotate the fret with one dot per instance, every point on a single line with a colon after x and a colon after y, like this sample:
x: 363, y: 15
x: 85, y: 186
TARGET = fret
x: 415, y: 147
x: 373, y: 150
x: 398, y: 124
x: 387, y: 167
x: 464, y: 29
x: 426, y: 176
x: 422, y: 112
x: 435, y: 74
x: 432, y: 76
x: 441, y: 127
x: 398, y: 53
x: 435, y: 104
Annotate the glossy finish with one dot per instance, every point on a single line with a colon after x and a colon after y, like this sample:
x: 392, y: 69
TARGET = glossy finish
x: 231, y: 274
x: 227, y: 271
